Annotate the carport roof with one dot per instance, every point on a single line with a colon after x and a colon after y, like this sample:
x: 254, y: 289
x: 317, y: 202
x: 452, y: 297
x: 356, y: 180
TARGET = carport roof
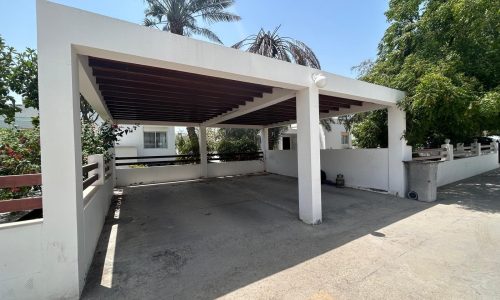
x: 144, y: 93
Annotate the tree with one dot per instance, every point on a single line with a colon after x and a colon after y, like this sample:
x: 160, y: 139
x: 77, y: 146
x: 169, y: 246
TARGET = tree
x: 19, y: 75
x: 271, y: 44
x: 446, y: 56
x: 7, y: 102
x: 181, y: 17
x: 98, y: 136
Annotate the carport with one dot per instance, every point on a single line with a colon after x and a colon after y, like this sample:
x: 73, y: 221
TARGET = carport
x: 133, y: 74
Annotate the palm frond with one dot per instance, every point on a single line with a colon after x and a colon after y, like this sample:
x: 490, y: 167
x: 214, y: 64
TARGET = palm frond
x: 181, y: 16
x: 206, y: 33
x: 149, y: 22
x: 271, y: 44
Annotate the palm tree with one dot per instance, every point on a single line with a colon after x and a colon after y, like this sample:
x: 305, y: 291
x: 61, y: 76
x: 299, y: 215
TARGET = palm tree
x: 271, y: 44
x: 182, y: 16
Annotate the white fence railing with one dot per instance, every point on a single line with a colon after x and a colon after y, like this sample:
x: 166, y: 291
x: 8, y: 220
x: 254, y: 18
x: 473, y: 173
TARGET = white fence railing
x: 447, y: 152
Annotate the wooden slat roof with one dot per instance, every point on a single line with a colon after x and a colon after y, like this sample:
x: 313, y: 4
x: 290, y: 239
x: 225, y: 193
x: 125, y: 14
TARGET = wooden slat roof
x: 145, y: 93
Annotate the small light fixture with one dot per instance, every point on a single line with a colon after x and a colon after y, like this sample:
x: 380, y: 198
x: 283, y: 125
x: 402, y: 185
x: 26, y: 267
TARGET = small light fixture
x: 319, y: 79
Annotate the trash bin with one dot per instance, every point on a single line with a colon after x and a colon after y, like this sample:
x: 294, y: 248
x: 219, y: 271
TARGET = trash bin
x: 422, y: 180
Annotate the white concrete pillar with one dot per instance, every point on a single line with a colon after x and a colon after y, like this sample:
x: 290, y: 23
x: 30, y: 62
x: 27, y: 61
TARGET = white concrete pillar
x: 476, y: 148
x: 203, y: 152
x: 63, y: 268
x: 398, y: 151
x: 99, y: 159
x: 308, y: 155
x: 448, y: 149
x: 322, y: 137
x: 264, y: 144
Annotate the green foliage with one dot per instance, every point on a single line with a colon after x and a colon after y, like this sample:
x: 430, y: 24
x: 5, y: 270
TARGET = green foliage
x: 24, y: 78
x: 446, y: 56
x: 274, y: 134
x: 372, y: 131
x: 19, y: 154
x: 187, y: 146
x: 7, y: 102
x: 18, y: 74
x: 98, y: 137
x: 236, y: 140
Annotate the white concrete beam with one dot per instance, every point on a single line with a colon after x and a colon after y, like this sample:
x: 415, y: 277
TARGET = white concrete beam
x: 89, y: 89
x: 308, y: 156
x: 278, y: 95
x: 183, y: 124
x: 159, y: 123
x: 342, y: 112
x: 344, y: 87
x: 366, y: 107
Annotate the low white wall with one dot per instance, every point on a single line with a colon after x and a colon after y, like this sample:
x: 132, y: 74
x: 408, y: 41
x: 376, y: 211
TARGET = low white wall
x: 362, y: 168
x: 97, y: 200
x: 21, y: 260
x: 235, y: 168
x: 282, y: 162
x: 130, y: 176
x: 458, y: 169
x: 366, y: 168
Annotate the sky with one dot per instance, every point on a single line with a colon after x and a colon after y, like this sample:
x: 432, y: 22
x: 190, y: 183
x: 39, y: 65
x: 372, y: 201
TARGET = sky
x: 342, y: 33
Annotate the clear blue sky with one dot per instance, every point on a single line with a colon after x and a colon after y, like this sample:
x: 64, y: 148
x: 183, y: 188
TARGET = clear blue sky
x: 341, y: 32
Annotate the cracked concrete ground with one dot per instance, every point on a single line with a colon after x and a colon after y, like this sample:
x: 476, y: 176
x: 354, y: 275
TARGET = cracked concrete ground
x: 239, y: 238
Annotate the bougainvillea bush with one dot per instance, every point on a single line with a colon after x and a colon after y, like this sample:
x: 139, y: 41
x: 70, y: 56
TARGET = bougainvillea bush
x: 19, y: 154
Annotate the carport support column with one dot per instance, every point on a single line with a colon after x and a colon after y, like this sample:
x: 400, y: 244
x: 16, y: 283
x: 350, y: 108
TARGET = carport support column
x: 63, y: 266
x: 308, y: 155
x: 398, y: 151
x: 264, y: 144
x: 203, y: 152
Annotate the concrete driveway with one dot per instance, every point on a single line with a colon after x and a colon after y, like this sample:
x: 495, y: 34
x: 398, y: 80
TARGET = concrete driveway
x: 239, y: 238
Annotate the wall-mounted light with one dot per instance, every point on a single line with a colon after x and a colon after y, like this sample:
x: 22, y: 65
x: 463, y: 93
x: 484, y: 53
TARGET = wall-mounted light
x: 319, y: 79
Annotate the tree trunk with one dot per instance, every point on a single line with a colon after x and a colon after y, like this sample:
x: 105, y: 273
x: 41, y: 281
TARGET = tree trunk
x: 193, y: 138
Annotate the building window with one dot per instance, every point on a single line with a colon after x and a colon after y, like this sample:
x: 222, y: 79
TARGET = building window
x: 154, y: 140
x: 345, y: 138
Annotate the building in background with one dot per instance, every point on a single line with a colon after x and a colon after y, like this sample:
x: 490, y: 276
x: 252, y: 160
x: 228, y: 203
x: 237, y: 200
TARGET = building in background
x: 147, y: 140
x: 22, y: 119
x: 337, y: 138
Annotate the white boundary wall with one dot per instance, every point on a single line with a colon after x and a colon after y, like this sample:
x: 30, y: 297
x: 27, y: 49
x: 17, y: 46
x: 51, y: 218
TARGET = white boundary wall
x: 131, y: 176
x: 235, y: 168
x: 362, y: 168
x: 21, y: 253
x: 21, y: 246
x: 97, y: 200
x: 458, y: 169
